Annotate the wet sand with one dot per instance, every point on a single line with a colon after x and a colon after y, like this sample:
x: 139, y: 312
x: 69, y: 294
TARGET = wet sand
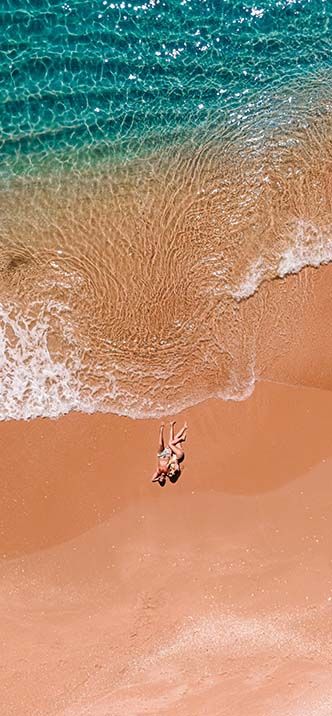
x: 210, y: 597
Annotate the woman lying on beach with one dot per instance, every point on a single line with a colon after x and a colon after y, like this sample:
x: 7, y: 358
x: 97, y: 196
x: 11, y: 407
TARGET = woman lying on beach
x: 170, y: 457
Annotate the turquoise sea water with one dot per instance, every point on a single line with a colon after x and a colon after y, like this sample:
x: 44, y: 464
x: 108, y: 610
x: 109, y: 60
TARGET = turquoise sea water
x: 159, y: 161
x: 89, y: 73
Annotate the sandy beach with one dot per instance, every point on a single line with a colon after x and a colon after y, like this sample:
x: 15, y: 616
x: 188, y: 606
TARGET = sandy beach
x: 208, y: 597
x: 166, y: 255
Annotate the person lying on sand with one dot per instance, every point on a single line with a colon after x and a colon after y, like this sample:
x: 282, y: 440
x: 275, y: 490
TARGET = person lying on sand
x: 170, y: 457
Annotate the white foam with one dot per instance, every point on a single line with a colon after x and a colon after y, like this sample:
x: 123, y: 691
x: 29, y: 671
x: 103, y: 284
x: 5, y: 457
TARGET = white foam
x: 309, y: 245
x: 33, y: 384
x: 313, y: 247
x: 253, y: 279
x: 37, y: 383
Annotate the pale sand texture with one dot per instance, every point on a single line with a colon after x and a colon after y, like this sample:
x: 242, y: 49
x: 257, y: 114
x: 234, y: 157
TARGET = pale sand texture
x: 211, y: 597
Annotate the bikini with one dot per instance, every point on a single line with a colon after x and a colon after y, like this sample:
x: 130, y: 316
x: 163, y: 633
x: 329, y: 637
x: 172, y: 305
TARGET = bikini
x: 165, y: 453
x: 172, y: 466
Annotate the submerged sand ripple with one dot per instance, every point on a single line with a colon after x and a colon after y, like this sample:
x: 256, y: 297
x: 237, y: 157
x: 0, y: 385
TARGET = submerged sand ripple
x: 136, y: 272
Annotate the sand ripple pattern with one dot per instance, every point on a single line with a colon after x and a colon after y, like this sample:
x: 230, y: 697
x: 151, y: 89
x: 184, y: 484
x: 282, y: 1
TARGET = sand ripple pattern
x: 159, y: 162
x: 131, y: 277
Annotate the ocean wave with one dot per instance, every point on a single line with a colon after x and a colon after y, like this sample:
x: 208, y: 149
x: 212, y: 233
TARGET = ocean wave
x: 34, y: 384
x: 62, y: 351
x: 46, y: 370
x: 309, y: 245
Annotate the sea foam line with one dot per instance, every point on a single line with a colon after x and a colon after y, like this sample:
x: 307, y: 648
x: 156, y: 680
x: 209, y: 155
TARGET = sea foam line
x: 311, y: 246
x: 32, y: 383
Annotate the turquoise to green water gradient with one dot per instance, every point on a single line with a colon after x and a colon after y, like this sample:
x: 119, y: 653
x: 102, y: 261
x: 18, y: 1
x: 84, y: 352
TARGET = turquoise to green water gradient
x: 88, y: 74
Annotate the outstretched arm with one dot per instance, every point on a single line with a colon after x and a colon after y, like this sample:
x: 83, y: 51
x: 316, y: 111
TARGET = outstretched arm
x: 161, y: 438
x: 155, y: 476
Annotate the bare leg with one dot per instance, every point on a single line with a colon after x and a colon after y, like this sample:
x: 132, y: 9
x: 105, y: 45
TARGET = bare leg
x: 177, y: 442
x: 161, y: 438
x: 171, y: 431
x: 178, y: 452
x: 181, y: 434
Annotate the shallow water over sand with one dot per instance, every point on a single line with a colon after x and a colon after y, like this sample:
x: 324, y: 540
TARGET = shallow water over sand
x: 123, y: 287
x: 128, y: 250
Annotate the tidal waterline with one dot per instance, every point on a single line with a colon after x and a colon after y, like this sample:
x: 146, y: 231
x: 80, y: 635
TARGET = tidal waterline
x: 159, y: 162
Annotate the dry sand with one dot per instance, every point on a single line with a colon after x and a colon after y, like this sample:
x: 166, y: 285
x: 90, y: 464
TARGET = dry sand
x: 211, y: 597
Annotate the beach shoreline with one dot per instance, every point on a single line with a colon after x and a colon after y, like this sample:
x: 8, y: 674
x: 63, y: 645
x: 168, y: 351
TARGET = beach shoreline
x: 208, y: 596
x: 166, y: 254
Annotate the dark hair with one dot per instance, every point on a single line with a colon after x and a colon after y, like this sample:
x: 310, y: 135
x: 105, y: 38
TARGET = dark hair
x: 174, y: 475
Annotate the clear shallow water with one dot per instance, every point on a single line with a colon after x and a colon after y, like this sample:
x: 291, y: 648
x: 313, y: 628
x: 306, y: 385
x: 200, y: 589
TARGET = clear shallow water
x: 158, y: 162
x: 89, y: 72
